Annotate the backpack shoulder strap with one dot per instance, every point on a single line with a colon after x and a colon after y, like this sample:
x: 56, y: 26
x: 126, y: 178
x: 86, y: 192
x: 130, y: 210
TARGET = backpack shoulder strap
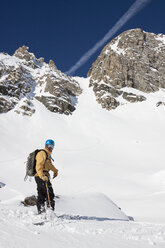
x: 46, y: 154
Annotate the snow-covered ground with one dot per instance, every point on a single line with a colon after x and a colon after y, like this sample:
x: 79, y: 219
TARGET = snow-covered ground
x: 104, y: 158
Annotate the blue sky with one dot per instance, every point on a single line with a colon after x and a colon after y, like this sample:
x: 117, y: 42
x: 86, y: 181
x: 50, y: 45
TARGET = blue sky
x: 63, y: 30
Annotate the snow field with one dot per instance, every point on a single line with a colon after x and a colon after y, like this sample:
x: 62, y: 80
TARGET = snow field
x: 118, y: 154
x: 17, y: 228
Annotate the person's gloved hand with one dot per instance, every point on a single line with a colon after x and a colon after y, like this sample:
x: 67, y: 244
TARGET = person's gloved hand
x: 45, y: 178
x: 55, y: 174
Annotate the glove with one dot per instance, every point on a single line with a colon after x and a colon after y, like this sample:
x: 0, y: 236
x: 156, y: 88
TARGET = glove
x: 45, y: 178
x: 55, y: 174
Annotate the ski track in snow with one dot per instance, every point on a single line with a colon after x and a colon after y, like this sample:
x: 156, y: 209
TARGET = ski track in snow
x: 16, y: 227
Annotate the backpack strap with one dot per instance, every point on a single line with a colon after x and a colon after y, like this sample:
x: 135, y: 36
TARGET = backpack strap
x: 46, y: 154
x: 46, y: 157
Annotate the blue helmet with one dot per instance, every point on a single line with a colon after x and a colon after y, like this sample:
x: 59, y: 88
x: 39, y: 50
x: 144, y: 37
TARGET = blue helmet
x: 50, y: 142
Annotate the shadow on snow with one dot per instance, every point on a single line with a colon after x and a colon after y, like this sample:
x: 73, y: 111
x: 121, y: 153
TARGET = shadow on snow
x: 78, y: 217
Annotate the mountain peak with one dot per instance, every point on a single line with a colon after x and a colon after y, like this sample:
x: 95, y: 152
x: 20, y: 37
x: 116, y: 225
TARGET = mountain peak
x: 52, y: 65
x: 25, y: 78
x: 23, y: 53
x: 134, y: 59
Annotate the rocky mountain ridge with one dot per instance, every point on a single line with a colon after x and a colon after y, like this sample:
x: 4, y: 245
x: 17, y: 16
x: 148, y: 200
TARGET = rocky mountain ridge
x: 23, y: 77
x: 135, y: 59
x: 129, y: 66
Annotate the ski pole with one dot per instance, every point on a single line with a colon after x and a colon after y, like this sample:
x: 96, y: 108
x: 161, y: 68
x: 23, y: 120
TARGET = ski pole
x: 48, y: 195
x: 52, y: 180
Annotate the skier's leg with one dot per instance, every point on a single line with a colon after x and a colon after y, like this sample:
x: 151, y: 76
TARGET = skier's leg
x: 41, y: 194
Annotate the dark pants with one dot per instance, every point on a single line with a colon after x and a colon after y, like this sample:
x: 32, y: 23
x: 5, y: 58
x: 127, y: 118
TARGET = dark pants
x: 43, y: 195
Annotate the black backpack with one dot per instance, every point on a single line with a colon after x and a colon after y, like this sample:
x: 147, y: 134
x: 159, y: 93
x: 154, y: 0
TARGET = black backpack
x: 31, y: 163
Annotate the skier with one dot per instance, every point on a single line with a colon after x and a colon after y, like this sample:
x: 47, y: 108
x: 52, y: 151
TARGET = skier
x: 42, y: 177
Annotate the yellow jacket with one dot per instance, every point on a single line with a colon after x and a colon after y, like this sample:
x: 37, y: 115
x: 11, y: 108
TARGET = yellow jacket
x: 43, y: 166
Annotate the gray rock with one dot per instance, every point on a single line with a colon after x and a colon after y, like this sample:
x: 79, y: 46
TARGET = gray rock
x: 41, y: 59
x: 22, y: 73
x: 160, y: 104
x: 25, y: 108
x: 30, y: 201
x: 22, y: 53
x: 130, y: 97
x: 62, y: 90
x: 52, y: 65
x: 134, y: 59
x: 54, y: 104
x: 17, y: 82
x: 6, y: 105
x: 105, y: 95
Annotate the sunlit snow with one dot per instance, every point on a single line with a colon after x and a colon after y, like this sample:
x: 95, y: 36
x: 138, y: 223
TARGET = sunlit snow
x: 106, y: 161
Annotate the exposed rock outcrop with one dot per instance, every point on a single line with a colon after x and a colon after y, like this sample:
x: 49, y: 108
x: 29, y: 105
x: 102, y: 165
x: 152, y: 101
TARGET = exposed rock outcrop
x: 30, y: 201
x: 57, y: 91
x: 134, y: 59
x: 23, y: 77
x: 16, y: 82
x: 160, y: 104
x: 130, y: 97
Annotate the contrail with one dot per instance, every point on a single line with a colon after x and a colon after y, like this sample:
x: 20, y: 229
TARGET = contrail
x: 133, y: 10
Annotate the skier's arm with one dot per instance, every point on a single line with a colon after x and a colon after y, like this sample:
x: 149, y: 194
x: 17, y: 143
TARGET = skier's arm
x: 40, y: 161
x: 52, y: 168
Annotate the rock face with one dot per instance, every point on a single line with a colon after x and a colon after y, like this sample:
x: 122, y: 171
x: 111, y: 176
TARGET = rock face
x: 160, y: 104
x: 15, y: 82
x: 30, y: 201
x: 56, y: 90
x: 23, y: 77
x: 134, y: 59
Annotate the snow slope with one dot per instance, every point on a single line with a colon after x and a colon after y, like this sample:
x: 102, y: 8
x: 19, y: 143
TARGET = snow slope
x: 100, y: 155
